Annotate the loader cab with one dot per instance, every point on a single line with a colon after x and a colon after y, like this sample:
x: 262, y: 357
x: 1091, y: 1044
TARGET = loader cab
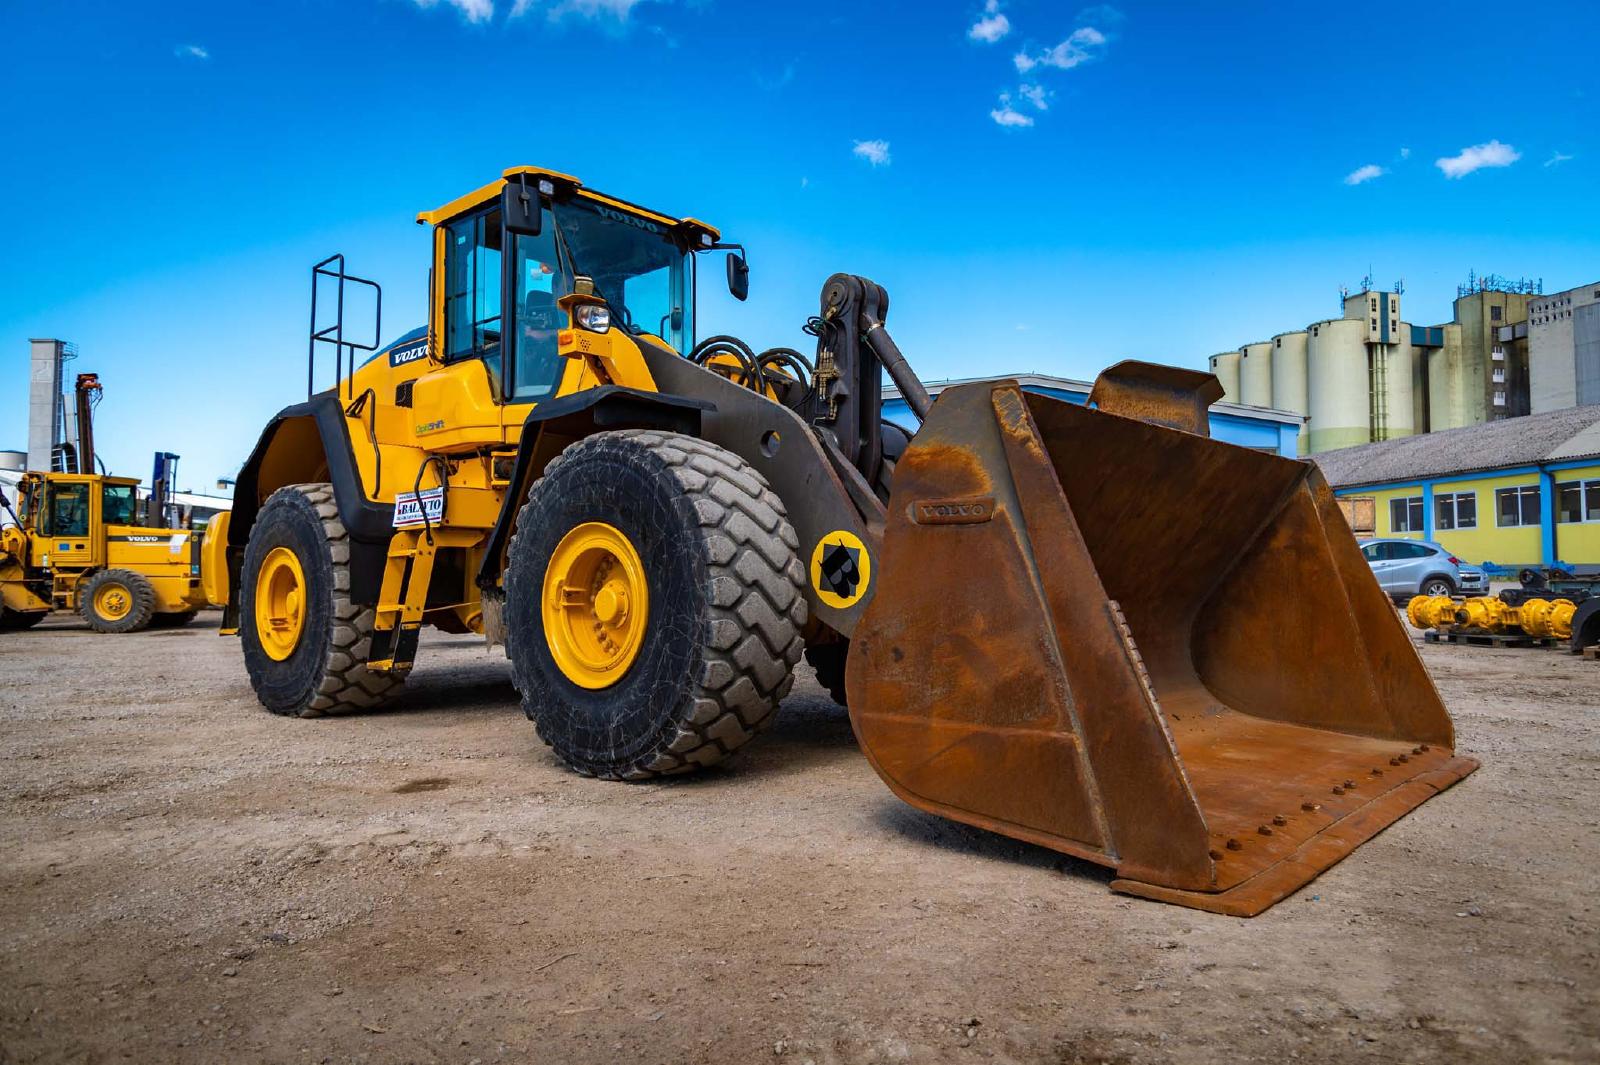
x: 501, y: 269
x: 67, y: 514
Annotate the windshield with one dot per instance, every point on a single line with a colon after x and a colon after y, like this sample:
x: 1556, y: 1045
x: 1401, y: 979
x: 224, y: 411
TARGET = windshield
x: 116, y: 504
x: 636, y: 265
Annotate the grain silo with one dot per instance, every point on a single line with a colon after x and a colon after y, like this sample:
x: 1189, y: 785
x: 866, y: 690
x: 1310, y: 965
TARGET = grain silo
x: 1452, y: 389
x: 1226, y: 367
x: 1337, y: 375
x: 1255, y: 374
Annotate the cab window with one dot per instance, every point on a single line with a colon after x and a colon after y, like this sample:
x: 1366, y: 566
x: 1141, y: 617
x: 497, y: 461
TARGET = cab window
x: 472, y: 288
x: 67, y: 512
x: 539, y: 283
x: 116, y: 504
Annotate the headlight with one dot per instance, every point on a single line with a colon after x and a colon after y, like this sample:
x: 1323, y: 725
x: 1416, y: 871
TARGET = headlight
x: 594, y: 318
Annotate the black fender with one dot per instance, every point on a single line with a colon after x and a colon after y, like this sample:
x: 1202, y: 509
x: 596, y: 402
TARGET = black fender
x: 1586, y: 624
x: 558, y: 422
x: 371, y: 525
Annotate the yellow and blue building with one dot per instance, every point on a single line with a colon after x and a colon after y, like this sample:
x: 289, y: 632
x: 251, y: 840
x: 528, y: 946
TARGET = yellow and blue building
x: 1504, y: 495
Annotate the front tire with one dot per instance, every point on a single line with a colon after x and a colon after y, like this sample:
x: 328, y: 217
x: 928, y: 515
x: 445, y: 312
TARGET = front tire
x: 1438, y: 586
x: 305, y: 642
x: 117, y: 601
x: 719, y: 582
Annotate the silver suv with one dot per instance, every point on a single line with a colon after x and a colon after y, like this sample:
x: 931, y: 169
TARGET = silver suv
x: 1405, y: 568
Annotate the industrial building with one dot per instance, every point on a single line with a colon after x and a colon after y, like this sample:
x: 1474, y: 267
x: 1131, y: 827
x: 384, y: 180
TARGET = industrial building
x: 1562, y: 335
x: 1261, y: 428
x: 1369, y: 375
x: 1505, y: 494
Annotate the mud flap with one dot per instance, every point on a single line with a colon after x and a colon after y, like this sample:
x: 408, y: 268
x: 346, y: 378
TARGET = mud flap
x: 1098, y: 630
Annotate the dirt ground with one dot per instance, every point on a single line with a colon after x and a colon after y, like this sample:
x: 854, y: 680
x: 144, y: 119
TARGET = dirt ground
x: 187, y: 878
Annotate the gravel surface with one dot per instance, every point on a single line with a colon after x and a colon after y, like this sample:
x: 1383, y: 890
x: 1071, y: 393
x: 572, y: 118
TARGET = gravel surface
x: 187, y: 878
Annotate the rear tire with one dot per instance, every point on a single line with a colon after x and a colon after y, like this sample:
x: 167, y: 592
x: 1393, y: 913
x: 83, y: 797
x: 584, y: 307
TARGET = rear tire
x: 1438, y: 586
x: 117, y: 601
x: 17, y: 620
x: 326, y: 670
x: 723, y: 585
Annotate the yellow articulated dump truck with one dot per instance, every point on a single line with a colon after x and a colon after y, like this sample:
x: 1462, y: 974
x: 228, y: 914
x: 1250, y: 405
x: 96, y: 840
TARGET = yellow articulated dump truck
x: 1090, y: 627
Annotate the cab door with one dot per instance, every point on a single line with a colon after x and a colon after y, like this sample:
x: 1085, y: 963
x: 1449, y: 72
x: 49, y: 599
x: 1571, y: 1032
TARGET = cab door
x: 457, y: 407
x: 69, y: 520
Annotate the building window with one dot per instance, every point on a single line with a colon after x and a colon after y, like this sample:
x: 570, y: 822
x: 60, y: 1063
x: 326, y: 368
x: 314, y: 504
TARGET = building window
x: 1499, y: 399
x: 1499, y: 375
x: 1457, y: 510
x: 1516, y: 506
x: 1405, y: 515
x: 1374, y: 323
x: 1498, y: 354
x: 1577, y: 501
x: 1494, y: 314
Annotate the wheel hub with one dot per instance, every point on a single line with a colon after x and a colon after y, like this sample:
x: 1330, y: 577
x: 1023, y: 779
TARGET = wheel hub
x: 595, y: 605
x: 113, y: 602
x: 280, y: 603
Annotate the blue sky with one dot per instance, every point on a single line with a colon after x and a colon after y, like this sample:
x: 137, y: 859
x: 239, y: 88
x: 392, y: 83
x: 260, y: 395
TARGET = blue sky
x: 1040, y: 186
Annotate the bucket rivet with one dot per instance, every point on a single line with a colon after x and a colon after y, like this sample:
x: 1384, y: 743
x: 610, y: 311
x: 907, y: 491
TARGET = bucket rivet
x: 1264, y: 830
x: 1310, y: 807
x: 1349, y: 783
x: 1377, y: 772
x: 1280, y: 820
x: 1216, y: 856
x: 1234, y: 845
x: 1337, y: 790
x: 1422, y: 748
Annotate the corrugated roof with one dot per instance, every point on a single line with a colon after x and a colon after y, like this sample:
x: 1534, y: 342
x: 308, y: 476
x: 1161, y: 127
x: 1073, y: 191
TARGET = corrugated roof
x: 1559, y: 435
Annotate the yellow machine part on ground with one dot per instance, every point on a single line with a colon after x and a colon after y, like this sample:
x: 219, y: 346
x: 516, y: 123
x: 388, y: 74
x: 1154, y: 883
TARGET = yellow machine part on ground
x: 1431, y: 611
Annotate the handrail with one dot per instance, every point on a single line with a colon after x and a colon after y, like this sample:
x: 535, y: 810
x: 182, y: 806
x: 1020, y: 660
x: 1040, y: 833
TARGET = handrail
x: 334, y: 333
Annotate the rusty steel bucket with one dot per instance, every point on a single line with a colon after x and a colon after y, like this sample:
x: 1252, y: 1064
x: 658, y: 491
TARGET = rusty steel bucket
x: 1098, y: 630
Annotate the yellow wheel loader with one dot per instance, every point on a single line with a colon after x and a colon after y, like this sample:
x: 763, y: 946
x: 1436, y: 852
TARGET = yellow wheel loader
x: 1089, y: 627
x: 75, y: 543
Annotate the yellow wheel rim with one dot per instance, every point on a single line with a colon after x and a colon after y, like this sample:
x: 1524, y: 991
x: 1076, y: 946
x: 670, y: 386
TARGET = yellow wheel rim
x: 595, y: 605
x: 280, y: 603
x: 113, y: 602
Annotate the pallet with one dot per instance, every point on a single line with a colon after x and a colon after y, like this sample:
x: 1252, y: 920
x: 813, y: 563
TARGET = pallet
x: 1489, y: 639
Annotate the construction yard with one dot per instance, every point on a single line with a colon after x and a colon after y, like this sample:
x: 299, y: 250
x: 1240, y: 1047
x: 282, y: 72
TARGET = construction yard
x: 189, y: 878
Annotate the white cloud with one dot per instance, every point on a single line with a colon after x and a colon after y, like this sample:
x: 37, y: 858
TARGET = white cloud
x: 1099, y: 15
x: 191, y: 51
x: 619, y: 10
x: 1364, y: 174
x: 1080, y: 46
x: 1405, y: 153
x: 991, y: 25
x: 471, y: 10
x: 1006, y: 115
x: 1476, y: 158
x: 1557, y: 159
x: 1035, y: 95
x: 874, y: 152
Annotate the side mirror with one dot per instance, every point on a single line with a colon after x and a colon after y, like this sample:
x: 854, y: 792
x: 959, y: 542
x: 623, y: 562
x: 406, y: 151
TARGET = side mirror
x: 519, y: 206
x: 738, y: 277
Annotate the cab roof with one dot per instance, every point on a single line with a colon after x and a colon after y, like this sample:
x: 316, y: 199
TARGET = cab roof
x: 478, y: 197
